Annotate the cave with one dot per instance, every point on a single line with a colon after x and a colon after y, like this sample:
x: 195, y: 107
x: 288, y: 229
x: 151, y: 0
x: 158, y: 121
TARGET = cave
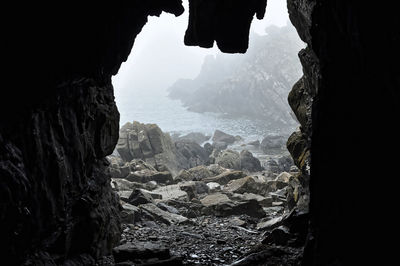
x: 59, y: 121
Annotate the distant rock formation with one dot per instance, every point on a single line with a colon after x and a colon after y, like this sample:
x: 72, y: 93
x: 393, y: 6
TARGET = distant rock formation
x: 149, y: 143
x: 255, y: 85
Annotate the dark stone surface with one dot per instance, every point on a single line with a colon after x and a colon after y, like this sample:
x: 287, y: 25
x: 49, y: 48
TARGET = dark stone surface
x: 58, y: 121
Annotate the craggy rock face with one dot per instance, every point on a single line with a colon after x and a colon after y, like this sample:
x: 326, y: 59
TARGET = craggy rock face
x: 58, y: 121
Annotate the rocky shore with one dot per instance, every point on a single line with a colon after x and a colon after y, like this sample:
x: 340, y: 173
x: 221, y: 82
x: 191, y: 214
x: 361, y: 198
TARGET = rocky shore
x: 202, y: 200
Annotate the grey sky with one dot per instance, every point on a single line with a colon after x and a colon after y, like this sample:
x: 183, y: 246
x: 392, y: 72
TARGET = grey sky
x: 159, y: 56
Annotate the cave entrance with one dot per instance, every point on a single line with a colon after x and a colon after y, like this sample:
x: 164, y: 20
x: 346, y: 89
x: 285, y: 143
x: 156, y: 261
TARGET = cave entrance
x: 201, y: 166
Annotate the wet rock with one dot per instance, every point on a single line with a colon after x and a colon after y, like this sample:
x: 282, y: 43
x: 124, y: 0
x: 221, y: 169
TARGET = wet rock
x: 200, y: 172
x: 216, y: 169
x: 139, y: 165
x: 167, y: 208
x: 194, y: 154
x: 264, y: 201
x: 242, y: 185
x: 146, y: 175
x: 183, y: 175
x: 129, y: 214
x: 278, y: 236
x: 249, y: 162
x: 171, y: 192
x: 225, y: 177
x: 141, y: 196
x: 228, y: 159
x: 219, y: 204
x: 120, y: 184
x: 134, y: 251
x: 214, y: 186
x: 163, y: 216
x: 208, y: 148
x: 220, y: 136
x: 273, y: 142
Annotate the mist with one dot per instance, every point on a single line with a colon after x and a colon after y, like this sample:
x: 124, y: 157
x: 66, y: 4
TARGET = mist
x: 159, y: 57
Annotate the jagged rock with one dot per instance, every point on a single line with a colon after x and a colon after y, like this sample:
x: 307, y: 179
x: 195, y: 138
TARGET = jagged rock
x: 134, y: 251
x: 149, y: 143
x: 139, y: 165
x: 273, y: 142
x: 141, y: 196
x: 129, y: 213
x: 284, y: 177
x: 243, y: 185
x: 264, y: 201
x: 219, y: 204
x: 225, y: 177
x: 193, y: 188
x: 194, y: 154
x: 200, y: 172
x: 144, y: 176
x: 278, y: 236
x: 163, y: 216
x: 223, y: 137
x: 285, y: 163
x: 228, y: 159
x: 183, y: 175
x: 213, y: 186
x: 216, y: 169
x: 208, y: 148
x: 165, y: 207
x: 120, y: 184
x: 171, y: 192
x: 249, y: 162
x: 117, y: 171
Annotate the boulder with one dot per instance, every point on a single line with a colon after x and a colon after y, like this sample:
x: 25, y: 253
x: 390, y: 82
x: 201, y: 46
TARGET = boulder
x: 136, y: 250
x: 220, y: 136
x: 219, y: 204
x: 228, y: 159
x: 149, y: 143
x: 130, y: 214
x: 216, y: 169
x: 200, y: 172
x: 141, y: 196
x: 144, y: 176
x: 248, y: 162
x: 273, y: 142
x: 225, y: 177
x: 120, y: 184
x: 213, y: 186
x: 163, y: 216
x: 193, y: 153
x: 171, y: 192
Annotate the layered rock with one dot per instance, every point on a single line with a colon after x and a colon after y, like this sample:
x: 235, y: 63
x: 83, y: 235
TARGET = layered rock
x: 253, y: 86
x: 57, y: 124
x: 149, y: 143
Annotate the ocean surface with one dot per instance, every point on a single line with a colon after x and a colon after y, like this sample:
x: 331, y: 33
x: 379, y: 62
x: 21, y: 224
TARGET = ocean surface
x: 171, y: 116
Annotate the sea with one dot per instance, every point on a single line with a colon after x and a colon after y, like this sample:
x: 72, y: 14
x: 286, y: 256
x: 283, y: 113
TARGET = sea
x: 172, y: 117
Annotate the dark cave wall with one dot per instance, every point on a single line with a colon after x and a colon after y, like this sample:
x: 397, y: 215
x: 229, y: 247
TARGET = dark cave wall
x: 353, y: 138
x: 58, y: 121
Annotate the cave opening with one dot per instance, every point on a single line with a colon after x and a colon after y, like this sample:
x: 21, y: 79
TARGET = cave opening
x: 202, y: 167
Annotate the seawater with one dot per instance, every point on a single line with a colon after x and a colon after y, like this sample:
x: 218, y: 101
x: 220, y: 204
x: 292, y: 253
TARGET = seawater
x: 171, y: 116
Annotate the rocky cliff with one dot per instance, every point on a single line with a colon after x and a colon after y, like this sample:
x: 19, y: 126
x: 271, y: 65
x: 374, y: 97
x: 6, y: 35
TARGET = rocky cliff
x: 254, y: 85
x: 58, y: 121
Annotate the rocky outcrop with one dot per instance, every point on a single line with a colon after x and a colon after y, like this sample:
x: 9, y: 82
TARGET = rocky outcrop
x: 149, y: 143
x: 253, y: 86
x: 57, y: 125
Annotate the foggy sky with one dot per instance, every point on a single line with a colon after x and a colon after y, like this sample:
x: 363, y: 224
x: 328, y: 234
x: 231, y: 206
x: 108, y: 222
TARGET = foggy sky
x: 159, y: 56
